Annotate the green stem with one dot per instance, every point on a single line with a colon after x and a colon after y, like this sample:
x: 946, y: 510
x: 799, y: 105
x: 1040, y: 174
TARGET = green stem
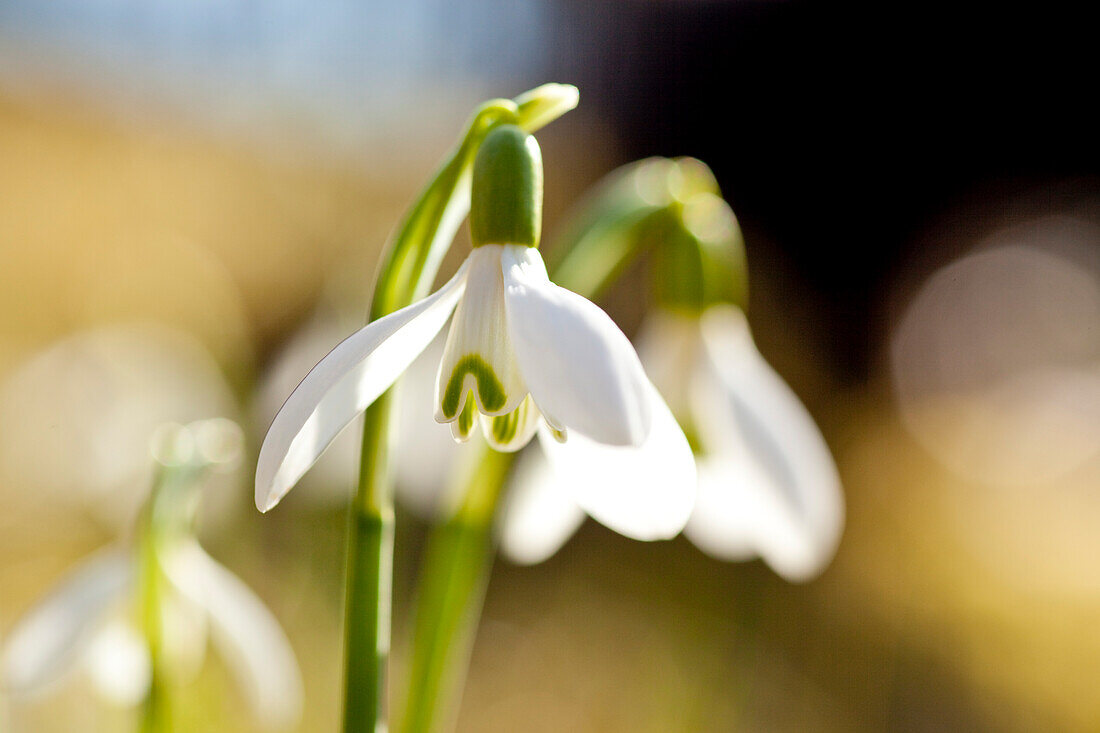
x: 156, y: 716
x: 163, y: 516
x: 454, y: 576
x: 370, y: 564
x: 410, y: 267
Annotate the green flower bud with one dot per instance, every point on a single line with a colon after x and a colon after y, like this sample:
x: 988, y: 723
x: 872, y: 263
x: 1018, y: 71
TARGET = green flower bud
x: 506, y: 198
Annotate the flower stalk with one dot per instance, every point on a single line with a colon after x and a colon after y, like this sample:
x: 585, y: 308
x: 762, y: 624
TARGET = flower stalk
x: 156, y: 715
x: 457, y: 563
x: 166, y: 515
x: 406, y: 275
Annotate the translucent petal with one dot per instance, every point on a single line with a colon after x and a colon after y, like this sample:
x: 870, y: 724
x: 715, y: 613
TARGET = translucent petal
x: 248, y: 637
x: 670, y: 346
x: 740, y: 514
x: 644, y: 492
x: 342, y: 385
x: 749, y: 414
x: 46, y: 642
x: 478, y: 357
x: 117, y: 660
x: 580, y: 368
x: 539, y: 514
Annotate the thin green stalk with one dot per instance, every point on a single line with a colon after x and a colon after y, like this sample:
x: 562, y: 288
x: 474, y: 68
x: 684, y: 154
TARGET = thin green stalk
x: 408, y: 271
x: 164, y: 515
x: 370, y: 563
x: 156, y: 714
x: 452, y: 587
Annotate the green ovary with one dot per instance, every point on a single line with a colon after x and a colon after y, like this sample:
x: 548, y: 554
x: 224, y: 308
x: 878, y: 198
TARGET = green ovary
x: 489, y: 389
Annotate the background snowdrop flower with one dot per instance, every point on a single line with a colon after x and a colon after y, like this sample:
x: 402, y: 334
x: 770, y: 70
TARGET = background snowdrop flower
x: 77, y: 627
x: 768, y: 485
x: 85, y: 622
x: 522, y: 356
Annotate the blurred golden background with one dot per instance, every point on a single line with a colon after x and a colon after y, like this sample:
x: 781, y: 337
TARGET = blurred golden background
x: 184, y: 187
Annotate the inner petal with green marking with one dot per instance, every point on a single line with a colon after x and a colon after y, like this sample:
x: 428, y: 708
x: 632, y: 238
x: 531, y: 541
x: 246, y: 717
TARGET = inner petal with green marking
x: 463, y: 426
x: 478, y: 359
x: 512, y: 431
x: 490, y: 392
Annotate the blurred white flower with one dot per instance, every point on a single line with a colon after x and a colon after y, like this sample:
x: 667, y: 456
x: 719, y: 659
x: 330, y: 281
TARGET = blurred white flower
x: 767, y: 483
x: 80, y: 626
x: 86, y: 622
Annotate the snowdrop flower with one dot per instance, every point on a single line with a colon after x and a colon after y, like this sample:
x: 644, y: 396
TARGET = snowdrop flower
x: 85, y: 623
x: 522, y: 356
x: 768, y: 485
x: 78, y: 628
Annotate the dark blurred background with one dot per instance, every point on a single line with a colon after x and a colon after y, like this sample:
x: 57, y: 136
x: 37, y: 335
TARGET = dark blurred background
x: 841, y: 131
x: 918, y: 185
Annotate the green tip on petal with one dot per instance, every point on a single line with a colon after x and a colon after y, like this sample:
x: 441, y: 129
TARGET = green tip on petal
x: 506, y: 199
x: 489, y: 388
x: 464, y: 424
x: 511, y: 431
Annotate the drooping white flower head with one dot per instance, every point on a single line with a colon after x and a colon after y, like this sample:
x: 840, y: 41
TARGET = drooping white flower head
x: 86, y: 622
x: 79, y: 626
x: 767, y: 482
x: 522, y: 356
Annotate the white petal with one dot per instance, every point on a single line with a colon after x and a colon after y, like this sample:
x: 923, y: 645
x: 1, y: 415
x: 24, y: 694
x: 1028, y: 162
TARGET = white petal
x: 645, y: 492
x: 248, y: 637
x: 117, y: 660
x: 478, y: 357
x: 48, y: 639
x: 342, y: 385
x: 671, y: 346
x: 580, y: 368
x: 185, y: 626
x: 754, y: 412
x: 539, y: 514
x: 740, y: 513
